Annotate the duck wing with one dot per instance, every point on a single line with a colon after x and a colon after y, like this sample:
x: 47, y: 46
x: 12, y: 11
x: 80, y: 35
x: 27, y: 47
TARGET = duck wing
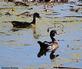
x: 43, y: 49
x: 19, y: 24
x: 43, y: 44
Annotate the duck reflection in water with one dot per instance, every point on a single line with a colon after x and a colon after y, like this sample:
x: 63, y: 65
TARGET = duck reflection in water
x: 49, y: 46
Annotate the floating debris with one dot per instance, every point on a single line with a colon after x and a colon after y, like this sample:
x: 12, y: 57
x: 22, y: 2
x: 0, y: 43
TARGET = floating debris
x: 66, y: 68
x: 27, y: 14
x: 21, y: 4
x: 7, y: 13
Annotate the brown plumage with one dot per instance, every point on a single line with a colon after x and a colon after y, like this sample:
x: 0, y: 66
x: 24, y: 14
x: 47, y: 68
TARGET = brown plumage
x: 49, y: 46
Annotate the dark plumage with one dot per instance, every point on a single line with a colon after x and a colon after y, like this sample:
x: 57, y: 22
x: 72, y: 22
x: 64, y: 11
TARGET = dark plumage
x: 48, y: 46
x: 43, y: 49
x: 19, y: 24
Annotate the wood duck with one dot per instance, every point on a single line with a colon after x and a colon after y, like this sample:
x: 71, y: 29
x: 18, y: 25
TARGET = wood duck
x: 19, y: 24
x: 49, y: 46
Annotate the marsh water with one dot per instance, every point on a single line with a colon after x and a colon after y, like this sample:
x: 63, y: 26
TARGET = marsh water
x: 20, y: 48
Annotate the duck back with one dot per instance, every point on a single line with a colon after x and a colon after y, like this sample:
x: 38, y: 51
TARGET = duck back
x: 19, y: 24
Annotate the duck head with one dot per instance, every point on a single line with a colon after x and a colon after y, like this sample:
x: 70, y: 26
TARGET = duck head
x: 52, y: 34
x: 36, y: 15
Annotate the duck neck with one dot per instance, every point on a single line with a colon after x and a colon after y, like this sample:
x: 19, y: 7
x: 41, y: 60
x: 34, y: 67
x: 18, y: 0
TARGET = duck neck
x: 34, y: 20
x: 52, y: 38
